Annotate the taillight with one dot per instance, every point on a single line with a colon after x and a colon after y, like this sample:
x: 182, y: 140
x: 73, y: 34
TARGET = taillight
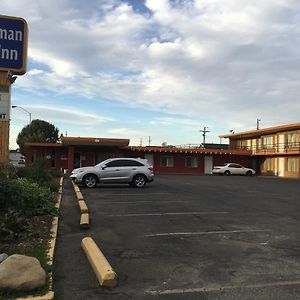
x: 150, y: 168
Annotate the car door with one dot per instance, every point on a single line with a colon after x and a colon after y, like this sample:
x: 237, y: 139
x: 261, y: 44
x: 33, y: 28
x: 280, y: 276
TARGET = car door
x: 236, y: 169
x: 113, y: 171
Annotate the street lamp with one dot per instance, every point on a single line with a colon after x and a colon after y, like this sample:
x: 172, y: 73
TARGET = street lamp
x: 29, y: 113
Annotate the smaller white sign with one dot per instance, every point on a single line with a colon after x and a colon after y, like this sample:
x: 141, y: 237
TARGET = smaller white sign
x: 4, y: 104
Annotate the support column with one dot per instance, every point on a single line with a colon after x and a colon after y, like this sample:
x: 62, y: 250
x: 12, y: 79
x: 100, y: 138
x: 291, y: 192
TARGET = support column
x: 70, y: 158
x: 5, y: 104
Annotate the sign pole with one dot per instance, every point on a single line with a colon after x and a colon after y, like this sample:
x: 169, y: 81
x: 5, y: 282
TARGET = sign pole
x: 5, y: 104
x: 13, y: 61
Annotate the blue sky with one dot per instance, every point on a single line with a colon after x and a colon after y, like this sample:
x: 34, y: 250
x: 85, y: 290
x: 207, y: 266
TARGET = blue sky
x: 165, y: 69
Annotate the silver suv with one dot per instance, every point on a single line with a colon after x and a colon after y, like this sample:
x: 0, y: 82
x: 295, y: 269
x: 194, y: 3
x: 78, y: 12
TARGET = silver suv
x: 135, y: 171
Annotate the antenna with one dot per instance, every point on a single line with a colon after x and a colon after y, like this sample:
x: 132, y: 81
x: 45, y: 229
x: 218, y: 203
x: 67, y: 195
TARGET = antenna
x: 257, y: 123
x: 204, y: 132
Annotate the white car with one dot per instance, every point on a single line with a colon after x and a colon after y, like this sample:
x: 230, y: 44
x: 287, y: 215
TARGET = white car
x: 134, y: 171
x: 232, y: 169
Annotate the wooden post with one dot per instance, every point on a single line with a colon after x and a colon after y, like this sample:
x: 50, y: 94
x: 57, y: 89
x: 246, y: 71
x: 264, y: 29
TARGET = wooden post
x: 14, y: 42
x: 4, y: 118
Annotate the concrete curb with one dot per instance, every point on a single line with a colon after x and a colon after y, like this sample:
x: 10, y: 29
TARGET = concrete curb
x: 52, y: 243
x: 84, y: 211
x: 101, y: 267
x: 79, y: 195
x: 83, y: 207
x: 84, y: 221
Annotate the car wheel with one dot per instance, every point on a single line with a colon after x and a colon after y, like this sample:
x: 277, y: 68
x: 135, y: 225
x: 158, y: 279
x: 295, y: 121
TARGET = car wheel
x: 249, y: 173
x: 139, y: 181
x: 90, y: 180
x: 227, y: 173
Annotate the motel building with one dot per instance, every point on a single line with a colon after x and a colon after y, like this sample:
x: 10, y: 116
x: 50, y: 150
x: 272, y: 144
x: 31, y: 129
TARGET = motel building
x: 271, y: 151
x: 274, y: 151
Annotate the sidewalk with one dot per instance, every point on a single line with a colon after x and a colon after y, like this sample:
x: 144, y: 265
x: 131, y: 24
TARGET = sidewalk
x: 73, y: 277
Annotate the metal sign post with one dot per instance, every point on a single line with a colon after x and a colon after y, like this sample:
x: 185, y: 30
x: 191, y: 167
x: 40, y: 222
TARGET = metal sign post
x: 13, y: 61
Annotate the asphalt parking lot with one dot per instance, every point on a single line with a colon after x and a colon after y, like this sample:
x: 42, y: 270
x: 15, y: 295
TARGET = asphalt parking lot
x: 185, y: 237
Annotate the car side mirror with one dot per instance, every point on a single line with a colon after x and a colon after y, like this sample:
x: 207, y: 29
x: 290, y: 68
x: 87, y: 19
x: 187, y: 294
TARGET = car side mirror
x: 103, y: 167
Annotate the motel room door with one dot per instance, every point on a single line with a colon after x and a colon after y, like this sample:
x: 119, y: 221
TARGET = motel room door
x: 149, y: 157
x: 208, y: 164
x: 280, y: 169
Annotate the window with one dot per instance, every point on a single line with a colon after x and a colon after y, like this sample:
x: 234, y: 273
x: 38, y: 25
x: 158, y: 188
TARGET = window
x: 292, y: 139
x: 191, y: 162
x: 292, y: 164
x: 268, y: 164
x: 124, y: 163
x: 242, y: 144
x: 234, y: 166
x: 166, y: 161
x: 267, y: 142
x: 116, y: 163
x: 53, y: 159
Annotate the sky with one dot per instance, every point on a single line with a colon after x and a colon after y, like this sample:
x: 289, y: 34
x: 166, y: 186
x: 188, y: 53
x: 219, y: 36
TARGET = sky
x: 163, y: 69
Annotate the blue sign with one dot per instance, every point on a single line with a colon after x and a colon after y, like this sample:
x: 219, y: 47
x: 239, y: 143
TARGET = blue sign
x: 13, y: 44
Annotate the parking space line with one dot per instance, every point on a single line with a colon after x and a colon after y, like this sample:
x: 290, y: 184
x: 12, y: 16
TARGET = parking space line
x: 145, y: 201
x: 172, y: 214
x: 144, y: 194
x: 208, y: 232
x: 226, y: 287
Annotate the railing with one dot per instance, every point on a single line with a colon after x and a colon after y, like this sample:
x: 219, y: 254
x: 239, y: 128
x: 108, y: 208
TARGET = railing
x: 273, y: 148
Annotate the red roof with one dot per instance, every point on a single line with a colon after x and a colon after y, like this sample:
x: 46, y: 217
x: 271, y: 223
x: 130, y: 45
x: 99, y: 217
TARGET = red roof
x: 92, y: 141
x: 83, y: 141
x: 263, y: 131
x: 188, y: 150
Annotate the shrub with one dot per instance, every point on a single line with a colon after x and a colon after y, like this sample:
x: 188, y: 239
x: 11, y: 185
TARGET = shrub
x: 20, y: 199
x: 35, y: 199
x: 38, y: 172
x: 7, y: 171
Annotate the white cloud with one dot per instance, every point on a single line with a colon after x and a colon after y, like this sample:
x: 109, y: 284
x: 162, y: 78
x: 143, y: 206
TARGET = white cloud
x: 63, y: 115
x: 125, y: 132
x: 227, y: 61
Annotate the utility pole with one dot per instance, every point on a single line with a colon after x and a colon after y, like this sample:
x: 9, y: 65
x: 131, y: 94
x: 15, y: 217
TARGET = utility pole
x: 204, y: 132
x: 141, y: 142
x: 257, y: 123
x: 149, y: 140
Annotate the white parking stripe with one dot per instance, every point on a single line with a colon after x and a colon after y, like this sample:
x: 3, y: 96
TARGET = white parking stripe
x: 141, y: 194
x: 208, y: 232
x: 226, y: 287
x: 171, y: 214
x: 145, y: 201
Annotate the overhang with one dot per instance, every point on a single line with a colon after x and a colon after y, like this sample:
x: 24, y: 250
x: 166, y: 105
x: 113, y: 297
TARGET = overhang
x: 188, y: 150
x: 92, y: 141
x: 264, y: 131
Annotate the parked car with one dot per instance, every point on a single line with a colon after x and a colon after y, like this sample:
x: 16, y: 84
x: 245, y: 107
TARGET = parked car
x: 232, y: 169
x: 134, y: 171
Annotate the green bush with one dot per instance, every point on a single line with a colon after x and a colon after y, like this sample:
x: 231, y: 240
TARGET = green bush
x: 35, y: 199
x: 38, y: 172
x: 25, y: 196
x: 7, y: 171
x: 20, y: 199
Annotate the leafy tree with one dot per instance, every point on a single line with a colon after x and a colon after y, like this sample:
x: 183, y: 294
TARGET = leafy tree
x: 37, y: 131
